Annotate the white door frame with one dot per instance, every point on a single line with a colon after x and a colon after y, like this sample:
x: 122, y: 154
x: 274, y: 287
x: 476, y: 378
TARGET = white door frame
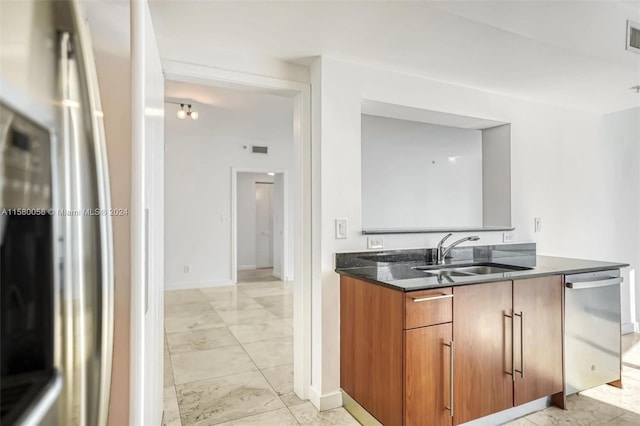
x: 234, y: 219
x: 147, y: 222
x: 303, y: 222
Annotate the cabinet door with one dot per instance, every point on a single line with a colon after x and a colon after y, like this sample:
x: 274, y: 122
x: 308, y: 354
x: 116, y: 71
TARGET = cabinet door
x: 371, y: 318
x: 538, y: 337
x: 427, y: 376
x: 482, y: 357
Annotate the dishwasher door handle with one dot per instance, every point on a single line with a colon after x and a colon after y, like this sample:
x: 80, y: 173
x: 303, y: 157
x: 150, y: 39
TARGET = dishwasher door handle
x: 579, y: 285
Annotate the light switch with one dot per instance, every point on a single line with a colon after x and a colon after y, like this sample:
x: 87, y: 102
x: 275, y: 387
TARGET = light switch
x: 537, y: 224
x: 341, y: 229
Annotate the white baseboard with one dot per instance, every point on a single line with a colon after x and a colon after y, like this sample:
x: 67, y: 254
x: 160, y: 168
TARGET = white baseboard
x: 325, y: 402
x: 278, y: 275
x: 186, y: 285
x: 264, y: 265
x: 246, y: 267
x: 630, y: 327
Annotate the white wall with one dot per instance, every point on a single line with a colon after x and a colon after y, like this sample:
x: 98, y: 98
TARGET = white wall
x: 567, y: 168
x: 496, y: 176
x: 199, y: 157
x: 410, y: 171
x: 28, y: 59
x: 147, y: 222
x: 246, y: 212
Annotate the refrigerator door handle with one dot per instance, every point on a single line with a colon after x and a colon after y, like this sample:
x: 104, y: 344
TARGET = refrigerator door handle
x: 89, y: 279
x: 104, y: 202
x: 67, y: 278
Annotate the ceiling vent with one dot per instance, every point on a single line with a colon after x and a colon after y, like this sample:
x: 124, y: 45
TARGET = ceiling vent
x: 259, y: 149
x: 633, y: 37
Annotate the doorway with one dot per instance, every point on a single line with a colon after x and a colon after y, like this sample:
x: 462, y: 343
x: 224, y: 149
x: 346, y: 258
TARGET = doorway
x: 235, y: 159
x: 293, y: 306
x: 264, y: 225
x: 260, y: 223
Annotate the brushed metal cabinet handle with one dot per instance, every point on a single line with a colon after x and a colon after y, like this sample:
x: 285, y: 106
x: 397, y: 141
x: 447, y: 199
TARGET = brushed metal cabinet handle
x: 450, y: 407
x: 521, y: 315
x: 513, y: 352
x: 522, y: 344
x: 424, y: 299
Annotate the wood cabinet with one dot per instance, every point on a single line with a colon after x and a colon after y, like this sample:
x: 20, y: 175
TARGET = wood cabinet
x: 508, y: 339
x: 538, y: 306
x: 482, y: 357
x: 400, y: 377
x: 427, y: 375
x: 371, y: 347
x: 428, y: 307
x: 395, y: 348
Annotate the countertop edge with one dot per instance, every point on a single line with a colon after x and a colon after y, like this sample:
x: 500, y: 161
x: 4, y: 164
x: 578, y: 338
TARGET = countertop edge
x: 483, y: 279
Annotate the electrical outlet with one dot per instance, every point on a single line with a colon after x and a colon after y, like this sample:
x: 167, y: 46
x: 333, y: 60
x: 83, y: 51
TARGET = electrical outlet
x: 375, y: 242
x: 507, y: 237
x: 187, y: 269
x: 341, y: 229
x: 537, y: 224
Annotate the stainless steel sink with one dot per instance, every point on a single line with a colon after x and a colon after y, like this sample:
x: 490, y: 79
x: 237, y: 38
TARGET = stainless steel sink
x: 449, y: 272
x: 483, y: 269
x: 468, y: 269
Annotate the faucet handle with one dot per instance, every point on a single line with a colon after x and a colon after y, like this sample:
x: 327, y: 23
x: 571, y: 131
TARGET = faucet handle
x: 444, y: 239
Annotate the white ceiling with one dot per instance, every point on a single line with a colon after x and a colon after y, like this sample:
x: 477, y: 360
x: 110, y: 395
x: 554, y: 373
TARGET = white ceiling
x: 568, y: 53
x: 233, y: 119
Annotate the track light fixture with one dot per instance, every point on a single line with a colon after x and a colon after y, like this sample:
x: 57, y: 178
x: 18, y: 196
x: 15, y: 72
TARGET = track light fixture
x: 182, y: 114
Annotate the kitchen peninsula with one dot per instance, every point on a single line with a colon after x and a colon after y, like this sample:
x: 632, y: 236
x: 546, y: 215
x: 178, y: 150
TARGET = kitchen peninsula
x: 441, y: 344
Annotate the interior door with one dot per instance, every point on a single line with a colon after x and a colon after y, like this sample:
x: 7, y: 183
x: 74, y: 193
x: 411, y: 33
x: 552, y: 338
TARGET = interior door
x: 264, y: 225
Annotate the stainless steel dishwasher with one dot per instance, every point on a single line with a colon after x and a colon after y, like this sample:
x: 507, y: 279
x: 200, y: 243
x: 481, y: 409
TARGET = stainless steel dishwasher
x: 592, y: 329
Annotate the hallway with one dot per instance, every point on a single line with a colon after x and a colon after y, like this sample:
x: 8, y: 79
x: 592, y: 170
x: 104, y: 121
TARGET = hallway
x: 229, y: 357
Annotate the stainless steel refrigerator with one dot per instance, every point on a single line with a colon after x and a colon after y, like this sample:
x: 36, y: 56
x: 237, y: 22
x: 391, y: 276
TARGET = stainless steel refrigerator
x: 56, y: 269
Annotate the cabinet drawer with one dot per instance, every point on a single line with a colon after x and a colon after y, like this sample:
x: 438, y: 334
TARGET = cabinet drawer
x: 428, y: 307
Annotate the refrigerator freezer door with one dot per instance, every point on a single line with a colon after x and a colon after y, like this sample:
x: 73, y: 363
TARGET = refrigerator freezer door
x: 47, y: 74
x: 84, y: 229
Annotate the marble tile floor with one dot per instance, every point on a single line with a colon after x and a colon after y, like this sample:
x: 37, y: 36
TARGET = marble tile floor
x: 229, y: 357
x: 256, y: 275
x: 631, y: 350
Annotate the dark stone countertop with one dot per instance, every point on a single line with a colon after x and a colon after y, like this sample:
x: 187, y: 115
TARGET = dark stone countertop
x: 399, y: 275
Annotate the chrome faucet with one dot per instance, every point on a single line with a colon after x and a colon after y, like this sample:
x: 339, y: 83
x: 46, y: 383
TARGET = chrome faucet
x: 442, y: 251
